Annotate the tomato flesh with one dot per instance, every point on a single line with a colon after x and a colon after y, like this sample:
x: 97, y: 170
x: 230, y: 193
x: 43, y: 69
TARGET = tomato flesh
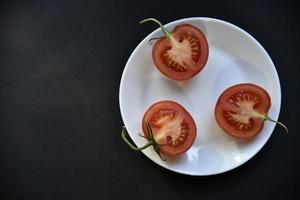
x: 240, y: 110
x: 173, y: 127
x: 182, y: 56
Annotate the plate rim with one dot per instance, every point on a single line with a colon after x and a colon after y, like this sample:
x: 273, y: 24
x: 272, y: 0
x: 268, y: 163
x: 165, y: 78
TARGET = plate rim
x: 266, y: 55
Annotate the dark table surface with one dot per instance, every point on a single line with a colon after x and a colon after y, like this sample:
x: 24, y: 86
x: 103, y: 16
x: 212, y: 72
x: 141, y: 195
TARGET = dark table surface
x: 60, y: 69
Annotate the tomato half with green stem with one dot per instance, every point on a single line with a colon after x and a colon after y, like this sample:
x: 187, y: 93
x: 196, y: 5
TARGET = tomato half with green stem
x: 242, y: 109
x: 168, y: 127
x: 180, y: 54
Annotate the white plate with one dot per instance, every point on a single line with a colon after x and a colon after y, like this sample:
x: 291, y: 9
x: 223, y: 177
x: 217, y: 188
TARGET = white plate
x: 234, y: 57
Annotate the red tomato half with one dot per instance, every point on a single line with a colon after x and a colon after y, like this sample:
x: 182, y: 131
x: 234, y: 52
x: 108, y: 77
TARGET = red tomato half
x: 183, y: 57
x: 240, y: 109
x: 172, y: 126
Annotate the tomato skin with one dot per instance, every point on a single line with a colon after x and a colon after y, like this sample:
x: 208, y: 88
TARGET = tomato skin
x: 223, y: 104
x: 164, y: 42
x: 170, y: 150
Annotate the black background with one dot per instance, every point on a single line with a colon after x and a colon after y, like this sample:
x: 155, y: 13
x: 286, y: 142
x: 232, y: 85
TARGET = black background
x: 60, y: 69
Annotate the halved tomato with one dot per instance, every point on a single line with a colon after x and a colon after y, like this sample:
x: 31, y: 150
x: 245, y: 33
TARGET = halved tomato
x: 242, y: 109
x: 173, y: 128
x: 182, y: 53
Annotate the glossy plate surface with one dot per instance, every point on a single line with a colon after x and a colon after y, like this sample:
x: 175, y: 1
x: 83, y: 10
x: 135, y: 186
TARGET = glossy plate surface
x: 234, y: 57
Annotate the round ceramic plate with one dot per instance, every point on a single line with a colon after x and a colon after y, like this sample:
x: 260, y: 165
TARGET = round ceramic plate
x: 234, y: 57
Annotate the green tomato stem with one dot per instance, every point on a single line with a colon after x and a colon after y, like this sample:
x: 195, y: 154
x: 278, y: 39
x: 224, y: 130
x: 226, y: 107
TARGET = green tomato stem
x: 266, y: 117
x: 124, y: 135
x: 165, y: 31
